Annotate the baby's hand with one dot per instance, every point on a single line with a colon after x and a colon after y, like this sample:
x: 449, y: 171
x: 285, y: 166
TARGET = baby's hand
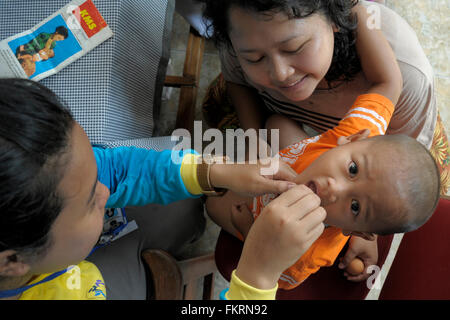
x: 366, y: 250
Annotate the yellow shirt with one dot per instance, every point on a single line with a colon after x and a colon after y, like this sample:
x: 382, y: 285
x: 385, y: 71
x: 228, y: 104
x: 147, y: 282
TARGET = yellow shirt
x: 82, y: 282
x: 239, y: 290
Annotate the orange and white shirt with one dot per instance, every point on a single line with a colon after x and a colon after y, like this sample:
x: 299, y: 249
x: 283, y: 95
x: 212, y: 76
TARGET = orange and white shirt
x: 369, y: 111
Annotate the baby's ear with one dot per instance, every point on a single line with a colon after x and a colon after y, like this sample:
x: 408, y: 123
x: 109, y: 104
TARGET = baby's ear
x: 362, y: 134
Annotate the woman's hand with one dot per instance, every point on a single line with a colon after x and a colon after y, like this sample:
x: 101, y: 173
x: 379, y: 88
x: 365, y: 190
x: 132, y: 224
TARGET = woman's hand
x: 366, y: 250
x: 285, y: 229
x: 253, y: 179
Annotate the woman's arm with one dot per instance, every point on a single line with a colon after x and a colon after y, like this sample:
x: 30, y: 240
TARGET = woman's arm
x: 249, y: 106
x: 137, y: 177
x: 251, y: 113
x: 377, y: 59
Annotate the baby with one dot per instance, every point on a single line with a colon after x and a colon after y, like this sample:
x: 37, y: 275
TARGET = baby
x: 28, y: 65
x: 41, y: 47
x: 367, y: 185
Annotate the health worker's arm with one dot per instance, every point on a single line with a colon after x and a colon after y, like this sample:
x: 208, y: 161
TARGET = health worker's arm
x: 137, y: 177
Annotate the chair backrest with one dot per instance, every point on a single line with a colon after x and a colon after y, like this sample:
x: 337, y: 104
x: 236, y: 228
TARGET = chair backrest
x: 421, y: 268
x: 179, y: 280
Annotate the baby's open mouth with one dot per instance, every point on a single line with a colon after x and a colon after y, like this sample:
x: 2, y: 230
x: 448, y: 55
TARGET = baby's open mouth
x: 312, y: 186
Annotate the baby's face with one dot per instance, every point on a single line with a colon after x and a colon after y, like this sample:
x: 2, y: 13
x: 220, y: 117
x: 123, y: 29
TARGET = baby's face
x: 353, y: 184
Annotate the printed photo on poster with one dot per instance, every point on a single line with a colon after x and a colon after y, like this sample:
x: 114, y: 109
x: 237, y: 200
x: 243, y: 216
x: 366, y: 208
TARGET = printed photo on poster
x: 45, y: 48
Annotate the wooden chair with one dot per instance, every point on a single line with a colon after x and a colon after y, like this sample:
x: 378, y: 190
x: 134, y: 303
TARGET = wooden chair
x: 188, y: 81
x: 179, y: 280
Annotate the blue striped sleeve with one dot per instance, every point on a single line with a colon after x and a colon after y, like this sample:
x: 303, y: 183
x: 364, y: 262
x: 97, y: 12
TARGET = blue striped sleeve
x: 137, y: 177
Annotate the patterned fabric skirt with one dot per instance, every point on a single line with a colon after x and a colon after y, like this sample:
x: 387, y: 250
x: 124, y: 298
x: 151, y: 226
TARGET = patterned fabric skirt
x: 219, y: 113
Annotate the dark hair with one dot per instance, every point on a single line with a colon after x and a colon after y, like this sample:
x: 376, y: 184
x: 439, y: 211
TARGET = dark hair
x: 419, y: 183
x: 62, y: 31
x: 34, y: 135
x: 345, y: 63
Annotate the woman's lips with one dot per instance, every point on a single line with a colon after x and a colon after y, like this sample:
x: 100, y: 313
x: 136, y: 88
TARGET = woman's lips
x: 295, y: 85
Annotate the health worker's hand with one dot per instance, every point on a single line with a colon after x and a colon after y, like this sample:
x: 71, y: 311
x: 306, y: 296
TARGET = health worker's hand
x: 253, y: 179
x: 283, y: 232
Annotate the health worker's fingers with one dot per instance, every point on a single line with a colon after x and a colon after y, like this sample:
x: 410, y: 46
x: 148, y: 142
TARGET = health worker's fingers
x: 293, y: 195
x: 280, y: 170
x: 312, y: 219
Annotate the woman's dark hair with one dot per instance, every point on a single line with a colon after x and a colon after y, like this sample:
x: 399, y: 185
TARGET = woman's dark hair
x: 345, y: 64
x: 34, y: 135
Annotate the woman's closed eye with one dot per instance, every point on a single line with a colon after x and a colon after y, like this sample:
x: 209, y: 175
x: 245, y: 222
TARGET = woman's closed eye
x: 296, y: 50
x: 254, y: 61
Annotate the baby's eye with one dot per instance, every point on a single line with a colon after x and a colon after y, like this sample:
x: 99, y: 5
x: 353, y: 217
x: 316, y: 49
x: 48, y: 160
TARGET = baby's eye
x: 353, y: 169
x: 355, y: 207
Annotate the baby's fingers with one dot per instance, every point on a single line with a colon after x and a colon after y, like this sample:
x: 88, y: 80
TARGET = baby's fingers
x: 356, y: 278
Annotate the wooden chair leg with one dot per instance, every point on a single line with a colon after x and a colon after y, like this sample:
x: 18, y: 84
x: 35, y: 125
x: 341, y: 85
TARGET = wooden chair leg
x: 208, y: 287
x: 197, y: 268
x: 166, y: 275
x: 190, y: 290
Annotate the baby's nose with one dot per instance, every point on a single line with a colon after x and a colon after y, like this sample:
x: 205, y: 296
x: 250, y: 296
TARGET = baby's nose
x: 334, y: 190
x: 332, y: 198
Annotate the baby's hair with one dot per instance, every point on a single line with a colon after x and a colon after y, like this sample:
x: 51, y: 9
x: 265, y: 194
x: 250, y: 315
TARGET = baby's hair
x: 34, y: 137
x: 62, y: 31
x: 345, y: 64
x: 418, y: 184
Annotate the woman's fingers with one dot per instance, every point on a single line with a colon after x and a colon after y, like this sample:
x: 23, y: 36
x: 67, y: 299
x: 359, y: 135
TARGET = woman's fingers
x: 313, y: 219
x: 294, y: 195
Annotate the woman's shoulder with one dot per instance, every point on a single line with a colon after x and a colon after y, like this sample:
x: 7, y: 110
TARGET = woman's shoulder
x: 402, y: 38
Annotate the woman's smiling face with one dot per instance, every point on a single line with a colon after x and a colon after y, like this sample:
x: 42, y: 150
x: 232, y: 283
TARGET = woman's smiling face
x: 291, y: 56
